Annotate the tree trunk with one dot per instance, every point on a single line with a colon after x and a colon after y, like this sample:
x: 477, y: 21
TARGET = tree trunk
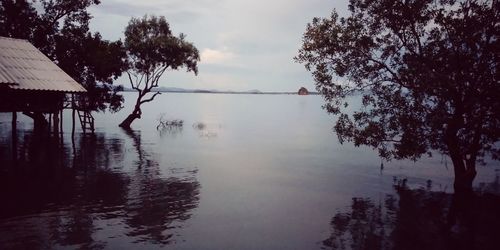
x: 465, y: 172
x: 136, y: 114
x: 464, y: 166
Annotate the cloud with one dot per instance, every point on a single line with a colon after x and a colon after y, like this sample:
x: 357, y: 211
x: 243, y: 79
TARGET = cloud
x: 212, y: 56
x: 221, y: 82
x: 243, y: 44
x: 178, y: 9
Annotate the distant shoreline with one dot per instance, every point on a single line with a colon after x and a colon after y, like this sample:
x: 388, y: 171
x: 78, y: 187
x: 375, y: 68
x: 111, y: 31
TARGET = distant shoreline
x: 252, y: 92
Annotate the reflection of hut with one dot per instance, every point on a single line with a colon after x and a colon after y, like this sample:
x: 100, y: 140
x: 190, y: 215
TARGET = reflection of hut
x: 31, y: 83
x: 303, y: 91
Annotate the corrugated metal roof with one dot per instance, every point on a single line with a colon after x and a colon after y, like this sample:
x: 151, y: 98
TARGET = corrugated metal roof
x: 22, y: 66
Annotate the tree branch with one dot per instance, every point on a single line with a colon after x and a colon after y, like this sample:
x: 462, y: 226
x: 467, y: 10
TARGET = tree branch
x: 417, y: 38
x: 132, y: 82
x: 151, y: 98
x: 158, y: 75
x: 396, y: 78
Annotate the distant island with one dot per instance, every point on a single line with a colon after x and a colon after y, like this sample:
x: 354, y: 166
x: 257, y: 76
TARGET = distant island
x: 303, y: 91
x: 214, y: 91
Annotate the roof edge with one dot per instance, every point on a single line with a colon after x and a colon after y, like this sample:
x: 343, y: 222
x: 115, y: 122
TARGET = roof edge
x: 13, y: 38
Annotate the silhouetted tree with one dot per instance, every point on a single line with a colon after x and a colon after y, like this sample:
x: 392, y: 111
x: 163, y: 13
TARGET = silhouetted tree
x: 60, y: 29
x: 428, y: 72
x: 152, y: 49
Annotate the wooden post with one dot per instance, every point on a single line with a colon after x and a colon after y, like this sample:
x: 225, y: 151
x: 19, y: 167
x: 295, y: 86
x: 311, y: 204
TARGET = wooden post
x: 14, y: 136
x: 55, y: 116
x: 50, y: 123
x: 73, y: 125
x: 83, y: 121
x: 61, y: 128
x: 61, y: 123
x: 14, y: 121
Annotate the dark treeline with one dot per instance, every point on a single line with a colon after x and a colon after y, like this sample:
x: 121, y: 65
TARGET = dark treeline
x: 60, y: 29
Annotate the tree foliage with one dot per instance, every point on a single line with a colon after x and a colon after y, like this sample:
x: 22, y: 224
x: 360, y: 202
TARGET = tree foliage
x: 152, y: 49
x: 60, y: 29
x: 427, y: 71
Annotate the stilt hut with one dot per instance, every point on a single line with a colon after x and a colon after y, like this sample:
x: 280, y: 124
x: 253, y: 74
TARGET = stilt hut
x: 32, y: 84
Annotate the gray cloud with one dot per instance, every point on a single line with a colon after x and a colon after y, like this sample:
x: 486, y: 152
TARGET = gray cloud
x: 174, y: 10
x: 261, y: 37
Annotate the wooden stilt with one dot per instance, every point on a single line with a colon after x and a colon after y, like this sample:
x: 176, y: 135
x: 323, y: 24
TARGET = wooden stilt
x: 73, y: 125
x: 61, y: 128
x: 61, y: 122
x: 14, y: 121
x: 14, y: 136
x: 50, y: 123
x: 55, y: 117
x: 73, y: 117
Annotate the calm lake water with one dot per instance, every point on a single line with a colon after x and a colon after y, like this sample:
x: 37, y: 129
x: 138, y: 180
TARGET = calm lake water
x: 244, y: 172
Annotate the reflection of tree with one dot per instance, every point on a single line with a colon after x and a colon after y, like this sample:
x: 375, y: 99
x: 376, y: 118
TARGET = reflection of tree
x: 56, y: 197
x: 418, y: 219
x: 97, y: 150
x: 154, y: 205
x: 170, y: 130
x: 154, y: 202
x: 60, y: 199
x: 74, y: 228
x: 142, y: 155
x: 364, y: 226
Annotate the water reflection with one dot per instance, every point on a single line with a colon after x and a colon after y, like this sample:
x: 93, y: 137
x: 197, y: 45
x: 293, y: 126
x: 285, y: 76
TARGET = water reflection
x: 93, y: 195
x: 419, y: 219
x: 154, y: 203
x: 207, y: 130
x: 172, y: 131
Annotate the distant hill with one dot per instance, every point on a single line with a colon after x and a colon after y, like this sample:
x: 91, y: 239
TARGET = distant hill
x: 254, y: 91
x: 214, y: 91
x: 171, y: 89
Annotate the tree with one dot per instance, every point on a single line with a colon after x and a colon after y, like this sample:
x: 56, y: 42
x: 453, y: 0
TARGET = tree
x: 60, y: 29
x: 427, y: 72
x: 152, y: 49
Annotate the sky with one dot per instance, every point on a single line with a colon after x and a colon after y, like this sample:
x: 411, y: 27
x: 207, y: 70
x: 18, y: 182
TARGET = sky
x: 244, y: 44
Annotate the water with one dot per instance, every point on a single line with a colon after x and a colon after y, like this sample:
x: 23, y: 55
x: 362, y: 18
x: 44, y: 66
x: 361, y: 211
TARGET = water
x: 243, y: 172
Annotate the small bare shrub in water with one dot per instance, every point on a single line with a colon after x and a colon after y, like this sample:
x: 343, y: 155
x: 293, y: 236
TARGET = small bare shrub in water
x: 164, y: 123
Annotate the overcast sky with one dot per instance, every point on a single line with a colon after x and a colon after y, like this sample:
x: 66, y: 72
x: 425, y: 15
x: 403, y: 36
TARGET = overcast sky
x: 244, y: 44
